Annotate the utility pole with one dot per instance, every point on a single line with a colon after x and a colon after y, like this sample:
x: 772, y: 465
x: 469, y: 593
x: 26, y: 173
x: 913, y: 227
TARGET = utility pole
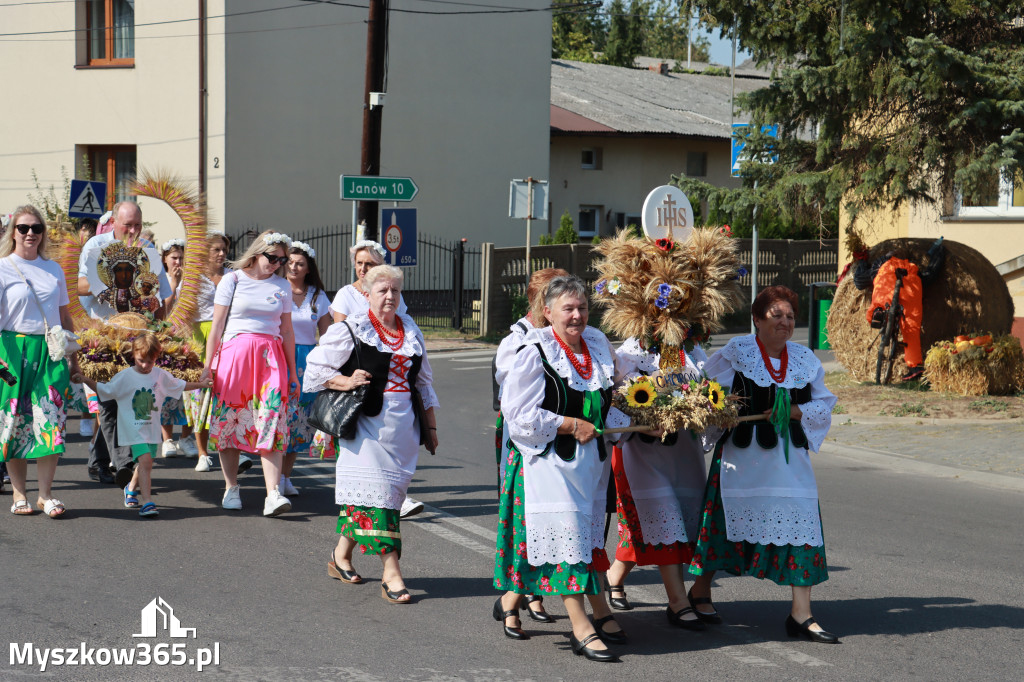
x: 376, y: 46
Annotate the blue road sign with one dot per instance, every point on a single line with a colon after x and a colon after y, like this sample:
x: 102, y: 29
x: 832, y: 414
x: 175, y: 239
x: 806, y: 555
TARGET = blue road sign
x: 88, y: 199
x: 739, y: 132
x: 398, y: 225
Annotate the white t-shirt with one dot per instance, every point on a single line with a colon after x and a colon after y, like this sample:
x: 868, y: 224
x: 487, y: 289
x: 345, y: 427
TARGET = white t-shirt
x: 18, y: 309
x: 139, y: 399
x: 349, y: 301
x: 207, y: 292
x: 99, y: 310
x: 257, y: 305
x: 304, y: 319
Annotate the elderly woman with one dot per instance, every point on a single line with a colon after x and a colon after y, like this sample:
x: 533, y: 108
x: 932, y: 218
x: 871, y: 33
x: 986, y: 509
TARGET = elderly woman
x: 551, y: 507
x: 310, y: 318
x: 659, y: 487
x: 385, y: 351
x: 351, y: 298
x: 33, y: 298
x: 198, y: 403
x: 253, y: 313
x: 761, y: 512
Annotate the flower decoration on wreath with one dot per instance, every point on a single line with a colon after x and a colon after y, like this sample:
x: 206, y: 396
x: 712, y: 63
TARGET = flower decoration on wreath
x: 172, y: 243
x: 369, y: 244
x: 305, y: 248
x: 278, y: 238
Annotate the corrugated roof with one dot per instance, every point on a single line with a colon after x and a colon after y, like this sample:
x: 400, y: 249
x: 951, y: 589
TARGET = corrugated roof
x: 636, y: 101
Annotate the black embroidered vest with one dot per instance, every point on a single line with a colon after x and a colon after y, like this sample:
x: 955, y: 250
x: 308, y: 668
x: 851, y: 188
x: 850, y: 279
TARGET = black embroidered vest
x: 758, y: 400
x: 378, y: 364
x: 564, y: 400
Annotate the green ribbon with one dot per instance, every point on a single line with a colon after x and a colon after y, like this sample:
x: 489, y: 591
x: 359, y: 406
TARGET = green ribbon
x: 592, y: 410
x: 781, y: 416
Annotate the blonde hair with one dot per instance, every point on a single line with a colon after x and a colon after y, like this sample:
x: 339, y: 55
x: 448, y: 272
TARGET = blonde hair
x: 7, y: 243
x: 147, y: 344
x: 259, y: 246
x: 383, y: 272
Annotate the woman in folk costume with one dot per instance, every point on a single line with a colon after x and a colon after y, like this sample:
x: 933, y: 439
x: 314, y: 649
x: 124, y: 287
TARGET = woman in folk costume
x: 761, y: 512
x: 385, y: 351
x: 551, y: 508
x: 659, y: 485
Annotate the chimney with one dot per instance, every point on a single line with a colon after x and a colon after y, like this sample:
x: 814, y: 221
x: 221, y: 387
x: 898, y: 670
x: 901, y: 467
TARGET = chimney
x: 661, y: 68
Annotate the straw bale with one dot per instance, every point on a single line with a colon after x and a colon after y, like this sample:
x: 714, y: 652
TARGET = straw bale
x: 968, y: 296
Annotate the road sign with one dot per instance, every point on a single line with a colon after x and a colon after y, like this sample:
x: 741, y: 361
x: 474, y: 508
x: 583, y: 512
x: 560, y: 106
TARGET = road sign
x: 519, y: 200
x: 377, y: 188
x: 88, y: 199
x: 399, y: 235
x: 739, y: 132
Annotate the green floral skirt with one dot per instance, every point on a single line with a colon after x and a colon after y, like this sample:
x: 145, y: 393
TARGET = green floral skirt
x: 782, y: 564
x: 33, y: 411
x: 512, y: 571
x: 375, y: 530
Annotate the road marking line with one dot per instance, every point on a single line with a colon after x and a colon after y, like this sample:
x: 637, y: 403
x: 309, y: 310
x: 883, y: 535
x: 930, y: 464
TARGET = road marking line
x: 463, y: 369
x: 738, y: 654
x: 792, y: 654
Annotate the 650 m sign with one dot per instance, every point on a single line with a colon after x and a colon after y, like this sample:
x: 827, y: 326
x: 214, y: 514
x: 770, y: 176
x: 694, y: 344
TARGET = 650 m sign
x: 377, y: 188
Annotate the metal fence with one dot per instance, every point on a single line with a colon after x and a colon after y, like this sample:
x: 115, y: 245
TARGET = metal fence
x: 442, y: 290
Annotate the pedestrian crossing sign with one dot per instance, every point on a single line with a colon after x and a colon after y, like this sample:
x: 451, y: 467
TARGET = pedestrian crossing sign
x: 88, y: 199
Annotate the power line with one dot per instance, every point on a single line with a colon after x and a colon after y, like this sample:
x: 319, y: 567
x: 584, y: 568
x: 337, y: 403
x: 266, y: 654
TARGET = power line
x: 193, y: 35
x: 555, y: 9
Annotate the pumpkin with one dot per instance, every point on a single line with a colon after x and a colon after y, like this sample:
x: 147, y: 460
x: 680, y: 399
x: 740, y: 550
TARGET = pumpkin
x: 982, y: 340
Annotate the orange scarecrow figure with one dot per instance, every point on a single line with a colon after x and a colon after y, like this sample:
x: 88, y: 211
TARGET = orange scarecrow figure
x: 883, y: 274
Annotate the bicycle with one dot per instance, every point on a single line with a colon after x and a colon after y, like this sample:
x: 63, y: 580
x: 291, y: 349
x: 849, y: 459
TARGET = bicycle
x: 889, y: 343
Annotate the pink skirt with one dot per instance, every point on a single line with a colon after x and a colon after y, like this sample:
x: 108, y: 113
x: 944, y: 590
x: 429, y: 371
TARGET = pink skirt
x: 250, y: 389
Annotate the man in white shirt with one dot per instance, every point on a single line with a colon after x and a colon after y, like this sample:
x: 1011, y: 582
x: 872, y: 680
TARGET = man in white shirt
x: 127, y: 226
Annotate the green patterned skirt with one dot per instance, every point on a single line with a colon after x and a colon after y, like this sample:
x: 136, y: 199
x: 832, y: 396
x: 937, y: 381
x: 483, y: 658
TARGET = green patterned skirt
x: 512, y: 571
x: 375, y: 530
x: 33, y: 411
x: 782, y: 564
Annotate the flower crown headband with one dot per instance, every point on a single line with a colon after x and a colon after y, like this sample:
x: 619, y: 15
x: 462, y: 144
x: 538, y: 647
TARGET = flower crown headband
x: 171, y: 243
x: 277, y: 238
x: 303, y: 246
x: 368, y: 244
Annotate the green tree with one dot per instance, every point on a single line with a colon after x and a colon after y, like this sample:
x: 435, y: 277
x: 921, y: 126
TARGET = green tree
x: 617, y: 50
x: 882, y: 104
x: 668, y: 31
x: 576, y: 32
x: 566, y: 233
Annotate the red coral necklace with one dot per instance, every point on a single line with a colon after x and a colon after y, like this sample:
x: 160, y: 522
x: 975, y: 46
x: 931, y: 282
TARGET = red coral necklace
x: 584, y: 369
x: 392, y: 340
x: 777, y: 375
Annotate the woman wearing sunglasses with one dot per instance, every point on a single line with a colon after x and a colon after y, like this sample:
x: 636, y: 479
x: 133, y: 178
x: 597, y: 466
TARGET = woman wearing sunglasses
x: 33, y: 298
x: 252, y: 311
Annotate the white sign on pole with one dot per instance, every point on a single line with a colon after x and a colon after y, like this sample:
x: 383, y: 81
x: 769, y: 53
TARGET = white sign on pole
x: 667, y: 213
x: 519, y: 200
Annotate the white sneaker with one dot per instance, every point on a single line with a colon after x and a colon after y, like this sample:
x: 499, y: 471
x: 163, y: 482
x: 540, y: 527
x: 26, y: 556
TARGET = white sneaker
x: 232, y: 500
x: 286, y: 487
x: 85, y: 427
x: 188, y: 447
x: 410, y: 507
x: 276, y: 503
x: 170, y: 449
x: 205, y: 463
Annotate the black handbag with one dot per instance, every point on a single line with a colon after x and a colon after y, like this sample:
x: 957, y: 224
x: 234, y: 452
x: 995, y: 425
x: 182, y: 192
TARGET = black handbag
x: 336, y: 412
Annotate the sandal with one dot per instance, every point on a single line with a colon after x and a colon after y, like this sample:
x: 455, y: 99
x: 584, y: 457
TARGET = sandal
x: 710, y: 618
x: 22, y: 508
x: 338, y: 573
x: 131, y: 498
x: 393, y: 597
x: 618, y: 603
x: 149, y: 509
x: 541, y: 616
x: 51, y: 507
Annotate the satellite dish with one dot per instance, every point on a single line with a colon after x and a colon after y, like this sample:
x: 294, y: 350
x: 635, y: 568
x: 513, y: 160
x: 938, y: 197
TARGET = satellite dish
x: 667, y: 213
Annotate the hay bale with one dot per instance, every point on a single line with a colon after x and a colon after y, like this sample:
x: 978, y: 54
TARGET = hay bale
x: 968, y: 369
x: 968, y: 296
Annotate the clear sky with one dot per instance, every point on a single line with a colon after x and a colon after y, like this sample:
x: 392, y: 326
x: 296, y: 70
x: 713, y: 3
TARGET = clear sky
x: 721, y: 48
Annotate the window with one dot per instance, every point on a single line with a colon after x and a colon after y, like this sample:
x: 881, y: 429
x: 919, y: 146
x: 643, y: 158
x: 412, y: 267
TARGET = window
x: 999, y: 196
x: 696, y: 164
x: 110, y: 32
x: 114, y: 165
x: 590, y: 159
x: 589, y: 223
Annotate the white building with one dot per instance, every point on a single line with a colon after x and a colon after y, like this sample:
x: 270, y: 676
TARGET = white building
x: 466, y: 107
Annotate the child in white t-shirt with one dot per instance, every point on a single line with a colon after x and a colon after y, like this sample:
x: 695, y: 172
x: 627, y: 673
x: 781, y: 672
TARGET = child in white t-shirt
x: 140, y: 392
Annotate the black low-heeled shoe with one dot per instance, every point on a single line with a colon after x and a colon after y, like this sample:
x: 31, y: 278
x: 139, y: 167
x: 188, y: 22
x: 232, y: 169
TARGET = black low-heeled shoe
x: 499, y: 615
x: 618, y: 603
x: 619, y: 637
x: 794, y: 629
x: 709, y: 618
x: 581, y: 649
x: 675, y: 618
x: 541, y: 616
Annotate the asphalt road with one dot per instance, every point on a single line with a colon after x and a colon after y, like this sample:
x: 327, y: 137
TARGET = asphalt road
x: 925, y: 578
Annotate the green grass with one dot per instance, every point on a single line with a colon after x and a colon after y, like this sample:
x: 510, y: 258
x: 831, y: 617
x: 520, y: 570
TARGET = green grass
x: 906, y: 410
x: 838, y: 409
x: 988, y: 405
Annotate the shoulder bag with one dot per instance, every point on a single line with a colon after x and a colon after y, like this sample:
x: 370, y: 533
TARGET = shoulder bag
x: 336, y: 412
x: 60, y: 343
